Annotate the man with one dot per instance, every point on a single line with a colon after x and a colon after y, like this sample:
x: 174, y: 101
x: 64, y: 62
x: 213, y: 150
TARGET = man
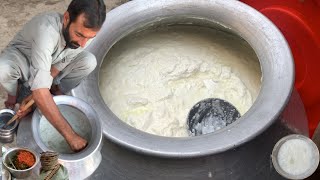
x: 48, y: 55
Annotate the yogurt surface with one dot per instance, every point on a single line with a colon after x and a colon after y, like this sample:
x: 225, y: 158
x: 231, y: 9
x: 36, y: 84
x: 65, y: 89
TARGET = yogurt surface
x: 151, y: 79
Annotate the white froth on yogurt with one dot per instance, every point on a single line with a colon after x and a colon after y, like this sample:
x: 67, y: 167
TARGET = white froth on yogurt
x: 151, y: 80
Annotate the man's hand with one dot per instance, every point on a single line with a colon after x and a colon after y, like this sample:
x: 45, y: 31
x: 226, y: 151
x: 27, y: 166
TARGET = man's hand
x: 23, y: 110
x: 50, y: 110
x: 76, y: 142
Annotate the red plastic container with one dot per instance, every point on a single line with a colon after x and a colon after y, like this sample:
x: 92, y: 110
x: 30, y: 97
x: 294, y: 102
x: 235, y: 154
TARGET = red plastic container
x: 299, y: 21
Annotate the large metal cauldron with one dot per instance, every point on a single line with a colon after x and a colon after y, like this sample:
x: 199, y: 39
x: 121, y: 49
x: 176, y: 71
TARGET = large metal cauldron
x: 240, y: 151
x: 268, y: 43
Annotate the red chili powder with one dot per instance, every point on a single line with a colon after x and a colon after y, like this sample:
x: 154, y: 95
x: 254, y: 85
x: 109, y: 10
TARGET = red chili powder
x: 25, y: 157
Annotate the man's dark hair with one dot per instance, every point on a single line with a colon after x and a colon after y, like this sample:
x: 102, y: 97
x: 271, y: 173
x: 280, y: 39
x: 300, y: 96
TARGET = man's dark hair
x: 94, y: 12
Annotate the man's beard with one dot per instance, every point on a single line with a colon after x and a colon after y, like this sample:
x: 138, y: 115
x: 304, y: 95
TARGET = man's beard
x: 69, y: 43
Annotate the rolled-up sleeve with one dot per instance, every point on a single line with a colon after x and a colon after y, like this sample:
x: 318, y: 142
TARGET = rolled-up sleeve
x: 43, y: 44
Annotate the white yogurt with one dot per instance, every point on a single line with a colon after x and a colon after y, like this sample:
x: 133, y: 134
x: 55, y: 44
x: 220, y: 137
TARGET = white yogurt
x: 152, y: 80
x: 295, y: 157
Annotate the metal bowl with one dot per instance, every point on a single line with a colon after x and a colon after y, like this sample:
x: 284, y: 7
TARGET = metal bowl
x: 6, y: 175
x: 83, y: 163
x: 314, y: 163
x: 7, y: 135
x: 14, y: 172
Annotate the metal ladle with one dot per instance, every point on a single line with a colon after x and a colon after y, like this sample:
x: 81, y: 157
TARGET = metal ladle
x: 210, y: 115
x: 12, y: 164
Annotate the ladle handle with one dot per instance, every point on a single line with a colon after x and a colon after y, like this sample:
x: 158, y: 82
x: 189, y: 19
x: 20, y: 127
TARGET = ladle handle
x: 15, y: 117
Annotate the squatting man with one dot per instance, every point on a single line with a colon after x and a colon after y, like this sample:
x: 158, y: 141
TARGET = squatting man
x: 47, y: 57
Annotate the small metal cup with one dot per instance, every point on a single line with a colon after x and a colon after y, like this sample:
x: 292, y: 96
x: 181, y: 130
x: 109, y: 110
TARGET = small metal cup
x: 7, y: 135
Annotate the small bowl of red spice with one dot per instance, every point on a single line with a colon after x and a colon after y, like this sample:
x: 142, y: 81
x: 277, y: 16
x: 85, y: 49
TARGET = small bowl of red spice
x: 20, y: 162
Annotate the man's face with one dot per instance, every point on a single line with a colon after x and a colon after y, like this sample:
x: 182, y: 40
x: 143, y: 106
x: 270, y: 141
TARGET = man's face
x: 75, y: 34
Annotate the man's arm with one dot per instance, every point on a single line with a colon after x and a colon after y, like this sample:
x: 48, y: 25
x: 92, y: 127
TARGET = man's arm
x: 49, y: 109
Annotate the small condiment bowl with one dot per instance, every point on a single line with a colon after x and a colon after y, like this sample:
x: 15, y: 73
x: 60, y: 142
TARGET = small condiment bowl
x: 315, y: 157
x: 20, y: 174
x: 7, y: 135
